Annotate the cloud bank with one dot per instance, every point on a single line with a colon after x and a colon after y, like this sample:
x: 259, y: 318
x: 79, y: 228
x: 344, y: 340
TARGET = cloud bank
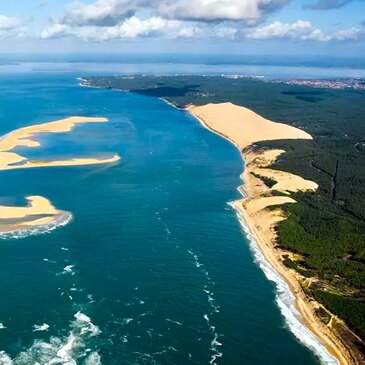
x: 240, y: 20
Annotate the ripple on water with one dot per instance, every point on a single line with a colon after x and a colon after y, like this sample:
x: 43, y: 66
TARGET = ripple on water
x: 214, y: 309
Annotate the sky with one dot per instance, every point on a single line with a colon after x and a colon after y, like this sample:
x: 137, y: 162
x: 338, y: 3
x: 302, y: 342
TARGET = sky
x: 262, y: 27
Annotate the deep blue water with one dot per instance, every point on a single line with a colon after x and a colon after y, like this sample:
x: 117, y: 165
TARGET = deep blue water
x: 162, y: 272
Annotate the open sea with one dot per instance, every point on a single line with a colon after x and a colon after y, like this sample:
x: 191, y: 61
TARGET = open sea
x: 154, y: 266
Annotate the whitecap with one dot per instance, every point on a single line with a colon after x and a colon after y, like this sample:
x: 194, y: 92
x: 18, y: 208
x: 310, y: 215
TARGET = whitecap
x: 68, y: 269
x: 5, y: 359
x: 175, y: 322
x: 93, y: 359
x: 41, y: 327
x: 69, y: 350
x: 2, y: 327
x: 127, y: 320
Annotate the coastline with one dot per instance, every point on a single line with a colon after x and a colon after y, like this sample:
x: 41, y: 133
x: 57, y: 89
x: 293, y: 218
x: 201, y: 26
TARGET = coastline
x: 38, y: 216
x: 304, y: 305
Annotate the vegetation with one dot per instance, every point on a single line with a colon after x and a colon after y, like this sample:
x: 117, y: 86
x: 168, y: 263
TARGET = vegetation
x: 345, y: 307
x: 327, y: 227
x: 269, y: 182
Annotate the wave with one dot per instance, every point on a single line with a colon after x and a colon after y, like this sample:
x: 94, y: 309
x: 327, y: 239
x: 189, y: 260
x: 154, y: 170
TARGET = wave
x: 41, y: 327
x: 64, y: 218
x: 71, y: 350
x: 286, y: 301
x: 208, y: 290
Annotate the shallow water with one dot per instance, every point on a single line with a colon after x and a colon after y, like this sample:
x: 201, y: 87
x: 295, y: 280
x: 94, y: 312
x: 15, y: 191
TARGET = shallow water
x: 154, y: 267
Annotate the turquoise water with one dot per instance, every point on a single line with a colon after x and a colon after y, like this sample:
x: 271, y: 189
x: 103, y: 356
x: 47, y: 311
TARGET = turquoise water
x: 154, y: 267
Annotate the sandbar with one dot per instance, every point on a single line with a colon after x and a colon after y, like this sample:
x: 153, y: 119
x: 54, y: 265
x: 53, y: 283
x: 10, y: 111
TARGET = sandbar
x: 26, y: 137
x: 38, y: 211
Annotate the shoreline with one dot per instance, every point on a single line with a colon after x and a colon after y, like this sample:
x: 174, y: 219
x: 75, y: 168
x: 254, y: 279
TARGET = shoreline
x: 303, y: 304
x: 38, y: 216
x: 26, y: 137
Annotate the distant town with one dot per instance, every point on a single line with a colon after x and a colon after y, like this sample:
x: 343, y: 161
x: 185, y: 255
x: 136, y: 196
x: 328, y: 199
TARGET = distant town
x: 355, y: 84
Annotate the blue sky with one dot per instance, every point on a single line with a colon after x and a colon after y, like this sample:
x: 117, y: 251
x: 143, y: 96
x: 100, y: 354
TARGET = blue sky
x: 308, y: 27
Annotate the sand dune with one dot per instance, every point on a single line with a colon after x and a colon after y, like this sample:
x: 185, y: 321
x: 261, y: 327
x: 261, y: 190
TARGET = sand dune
x: 244, y: 128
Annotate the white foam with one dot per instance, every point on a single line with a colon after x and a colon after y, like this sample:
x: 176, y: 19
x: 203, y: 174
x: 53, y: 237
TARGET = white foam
x: 50, y: 261
x: 41, y: 327
x: 65, y: 218
x: 2, y: 327
x: 286, y: 302
x: 175, y: 322
x: 127, y: 320
x: 207, y: 289
x: 69, y: 350
x: 5, y: 359
x: 93, y: 359
x: 68, y: 268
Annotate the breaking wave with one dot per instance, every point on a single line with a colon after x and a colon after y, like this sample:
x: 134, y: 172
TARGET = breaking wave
x: 71, y: 350
x: 286, y: 301
x: 65, y: 218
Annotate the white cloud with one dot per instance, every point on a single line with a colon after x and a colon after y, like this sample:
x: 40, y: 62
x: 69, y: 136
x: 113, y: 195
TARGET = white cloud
x: 111, y: 12
x: 99, y: 13
x: 103, y: 20
x: 9, y: 23
x: 10, y: 26
x: 281, y: 30
x: 55, y: 31
x: 135, y: 27
x: 342, y: 35
x: 218, y: 10
x: 300, y: 30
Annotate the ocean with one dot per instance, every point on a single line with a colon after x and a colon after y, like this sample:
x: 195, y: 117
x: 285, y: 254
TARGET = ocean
x: 154, y: 267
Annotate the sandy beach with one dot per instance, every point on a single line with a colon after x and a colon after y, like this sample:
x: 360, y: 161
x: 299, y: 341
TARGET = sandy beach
x: 39, y: 210
x: 26, y: 137
x: 244, y: 128
x: 19, y: 217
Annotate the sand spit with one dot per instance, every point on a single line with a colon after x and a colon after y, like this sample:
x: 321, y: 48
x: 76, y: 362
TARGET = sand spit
x: 39, y: 211
x: 26, y: 137
x: 261, y: 206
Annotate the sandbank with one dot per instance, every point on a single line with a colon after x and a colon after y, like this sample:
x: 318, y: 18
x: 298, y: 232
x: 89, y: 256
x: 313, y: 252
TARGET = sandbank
x: 26, y: 137
x: 38, y: 211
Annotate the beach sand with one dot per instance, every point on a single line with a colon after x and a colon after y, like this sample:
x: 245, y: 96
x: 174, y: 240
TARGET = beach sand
x: 244, y: 128
x: 30, y: 215
x: 26, y: 137
x: 39, y: 211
